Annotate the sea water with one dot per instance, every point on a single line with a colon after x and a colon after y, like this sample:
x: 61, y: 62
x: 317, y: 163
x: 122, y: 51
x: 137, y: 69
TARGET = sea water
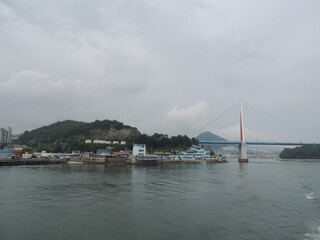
x: 262, y: 199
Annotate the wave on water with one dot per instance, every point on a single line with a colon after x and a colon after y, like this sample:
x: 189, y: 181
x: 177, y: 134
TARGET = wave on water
x: 314, y: 231
x: 310, y: 196
x: 312, y: 236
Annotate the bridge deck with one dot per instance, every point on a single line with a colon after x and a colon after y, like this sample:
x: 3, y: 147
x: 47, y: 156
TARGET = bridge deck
x: 260, y: 143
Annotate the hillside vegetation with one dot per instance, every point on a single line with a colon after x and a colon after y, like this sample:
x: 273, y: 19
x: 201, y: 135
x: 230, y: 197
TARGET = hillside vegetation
x: 74, y: 130
x: 304, y: 152
x: 69, y: 135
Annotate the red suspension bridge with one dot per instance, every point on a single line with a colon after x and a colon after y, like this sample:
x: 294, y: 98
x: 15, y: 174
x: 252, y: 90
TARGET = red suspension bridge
x: 242, y: 144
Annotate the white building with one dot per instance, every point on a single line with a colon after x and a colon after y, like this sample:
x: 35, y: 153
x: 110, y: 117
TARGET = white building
x: 106, y: 142
x: 100, y: 141
x: 139, y: 150
x: 5, y: 135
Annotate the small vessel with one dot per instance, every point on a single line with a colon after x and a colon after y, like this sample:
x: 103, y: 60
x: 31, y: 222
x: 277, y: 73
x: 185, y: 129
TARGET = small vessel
x: 310, y: 196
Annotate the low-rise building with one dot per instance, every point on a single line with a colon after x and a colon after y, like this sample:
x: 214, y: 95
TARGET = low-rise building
x: 139, y: 150
x: 86, y: 154
x: 120, y: 154
x: 76, y: 153
x: 97, y: 141
x: 27, y: 155
x: 100, y: 141
x: 4, y: 155
x: 103, y: 152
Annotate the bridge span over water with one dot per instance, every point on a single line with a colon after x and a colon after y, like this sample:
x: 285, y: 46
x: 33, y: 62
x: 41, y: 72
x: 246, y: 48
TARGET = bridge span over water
x: 259, y: 143
x: 242, y: 144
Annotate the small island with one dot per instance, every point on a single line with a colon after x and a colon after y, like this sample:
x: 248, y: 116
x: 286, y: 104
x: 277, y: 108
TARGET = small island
x: 303, y: 153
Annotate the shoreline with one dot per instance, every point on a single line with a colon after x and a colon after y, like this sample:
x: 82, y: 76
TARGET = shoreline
x: 21, y: 162
x: 297, y: 160
x: 11, y: 162
x: 193, y: 161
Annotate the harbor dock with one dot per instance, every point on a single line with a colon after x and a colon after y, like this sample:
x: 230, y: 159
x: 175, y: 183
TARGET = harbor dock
x: 10, y: 162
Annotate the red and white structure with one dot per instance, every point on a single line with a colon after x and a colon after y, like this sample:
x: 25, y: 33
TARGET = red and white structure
x: 243, y: 150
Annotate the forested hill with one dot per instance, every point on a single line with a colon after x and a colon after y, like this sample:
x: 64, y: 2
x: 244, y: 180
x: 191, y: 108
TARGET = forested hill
x: 75, y: 130
x: 71, y: 135
x: 304, y: 152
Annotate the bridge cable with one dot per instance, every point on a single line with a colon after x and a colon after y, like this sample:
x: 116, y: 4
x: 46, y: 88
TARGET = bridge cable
x: 218, y: 117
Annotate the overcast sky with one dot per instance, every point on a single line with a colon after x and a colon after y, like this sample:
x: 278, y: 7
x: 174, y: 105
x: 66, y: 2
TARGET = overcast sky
x: 167, y: 66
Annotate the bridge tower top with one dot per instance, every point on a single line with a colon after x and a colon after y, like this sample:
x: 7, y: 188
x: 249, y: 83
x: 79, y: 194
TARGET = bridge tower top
x: 243, y: 155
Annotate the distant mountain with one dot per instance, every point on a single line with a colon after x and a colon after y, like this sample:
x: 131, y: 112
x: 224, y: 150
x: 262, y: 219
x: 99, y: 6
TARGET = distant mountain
x: 209, y: 136
x: 74, y: 130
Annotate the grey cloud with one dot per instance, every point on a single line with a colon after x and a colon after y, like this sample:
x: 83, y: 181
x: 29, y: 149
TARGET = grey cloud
x: 136, y: 60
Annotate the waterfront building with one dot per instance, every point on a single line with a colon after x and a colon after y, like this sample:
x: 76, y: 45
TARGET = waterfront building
x: 27, y: 155
x: 139, y: 150
x: 195, y: 152
x: 86, y: 154
x: 4, y: 155
x: 76, y: 153
x: 120, y: 154
x: 103, y: 152
x: 5, y: 135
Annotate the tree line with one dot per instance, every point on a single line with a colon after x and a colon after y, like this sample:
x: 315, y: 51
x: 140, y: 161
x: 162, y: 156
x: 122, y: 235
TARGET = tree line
x: 69, y: 135
x: 63, y: 131
x: 156, y: 142
x: 304, y: 152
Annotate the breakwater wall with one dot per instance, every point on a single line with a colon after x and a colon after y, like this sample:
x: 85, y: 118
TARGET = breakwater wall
x: 154, y: 162
x: 11, y: 162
